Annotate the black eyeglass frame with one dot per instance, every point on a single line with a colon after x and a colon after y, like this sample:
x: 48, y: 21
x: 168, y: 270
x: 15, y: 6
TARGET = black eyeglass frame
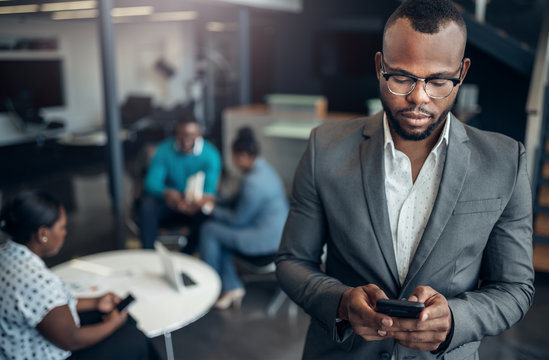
x: 387, y: 76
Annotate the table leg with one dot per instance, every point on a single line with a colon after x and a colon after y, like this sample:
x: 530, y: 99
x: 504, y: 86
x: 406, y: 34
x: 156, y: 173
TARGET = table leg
x: 169, y: 345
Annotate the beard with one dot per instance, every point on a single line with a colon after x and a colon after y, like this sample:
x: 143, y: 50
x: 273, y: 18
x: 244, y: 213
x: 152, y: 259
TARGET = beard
x: 413, y: 136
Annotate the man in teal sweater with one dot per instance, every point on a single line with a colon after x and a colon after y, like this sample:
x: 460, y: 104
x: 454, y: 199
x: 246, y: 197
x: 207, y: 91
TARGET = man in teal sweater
x: 167, y: 198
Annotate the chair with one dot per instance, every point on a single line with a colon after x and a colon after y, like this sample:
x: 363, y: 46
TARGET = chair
x: 262, y: 268
x: 173, y: 236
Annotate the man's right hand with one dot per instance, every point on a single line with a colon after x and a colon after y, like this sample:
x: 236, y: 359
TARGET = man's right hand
x: 172, y: 198
x: 188, y: 208
x: 357, y: 306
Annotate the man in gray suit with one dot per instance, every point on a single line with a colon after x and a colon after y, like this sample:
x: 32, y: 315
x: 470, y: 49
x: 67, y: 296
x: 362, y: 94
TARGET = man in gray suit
x: 412, y: 204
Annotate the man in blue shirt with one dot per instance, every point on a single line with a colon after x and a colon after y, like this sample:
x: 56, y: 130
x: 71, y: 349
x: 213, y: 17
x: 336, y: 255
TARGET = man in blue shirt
x: 167, y: 198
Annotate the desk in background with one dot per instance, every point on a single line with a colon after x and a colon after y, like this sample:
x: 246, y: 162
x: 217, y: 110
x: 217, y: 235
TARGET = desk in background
x: 282, y: 135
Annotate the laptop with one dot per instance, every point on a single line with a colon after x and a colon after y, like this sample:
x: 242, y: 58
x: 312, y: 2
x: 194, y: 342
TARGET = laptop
x: 172, y: 274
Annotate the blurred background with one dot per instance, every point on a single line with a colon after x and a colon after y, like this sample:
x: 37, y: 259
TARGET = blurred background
x: 87, y: 86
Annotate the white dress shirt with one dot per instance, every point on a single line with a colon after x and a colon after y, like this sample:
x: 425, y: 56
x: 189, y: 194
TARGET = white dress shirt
x: 410, y: 204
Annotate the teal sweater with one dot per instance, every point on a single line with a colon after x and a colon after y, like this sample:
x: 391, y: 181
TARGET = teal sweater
x: 171, y: 168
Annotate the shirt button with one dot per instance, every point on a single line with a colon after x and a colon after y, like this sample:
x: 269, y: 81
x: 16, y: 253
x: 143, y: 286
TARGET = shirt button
x: 384, y: 356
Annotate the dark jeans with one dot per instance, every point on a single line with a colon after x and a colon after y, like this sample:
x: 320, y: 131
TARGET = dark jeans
x: 153, y: 214
x: 125, y: 343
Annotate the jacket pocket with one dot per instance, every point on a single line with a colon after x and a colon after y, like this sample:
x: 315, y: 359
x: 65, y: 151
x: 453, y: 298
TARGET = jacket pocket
x: 477, y: 206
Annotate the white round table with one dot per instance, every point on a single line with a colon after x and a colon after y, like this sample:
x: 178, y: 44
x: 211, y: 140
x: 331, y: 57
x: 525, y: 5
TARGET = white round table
x: 159, y: 308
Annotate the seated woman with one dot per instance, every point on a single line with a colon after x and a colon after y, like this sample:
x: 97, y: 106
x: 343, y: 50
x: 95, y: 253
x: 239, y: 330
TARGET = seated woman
x: 253, y: 226
x: 39, y: 317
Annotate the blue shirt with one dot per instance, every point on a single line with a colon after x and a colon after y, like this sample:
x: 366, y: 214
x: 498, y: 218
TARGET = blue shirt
x: 170, y: 168
x: 261, y: 209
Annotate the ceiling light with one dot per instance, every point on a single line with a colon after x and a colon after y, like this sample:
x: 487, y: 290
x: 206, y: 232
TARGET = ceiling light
x: 123, y: 20
x: 214, y: 26
x: 69, y: 5
x: 18, y: 9
x: 174, y: 16
x: 132, y: 11
x: 219, y: 26
x: 74, y: 14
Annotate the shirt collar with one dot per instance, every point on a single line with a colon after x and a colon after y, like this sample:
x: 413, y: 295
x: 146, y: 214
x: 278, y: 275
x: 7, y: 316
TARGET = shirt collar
x: 197, y: 147
x: 388, y: 138
x: 13, y: 246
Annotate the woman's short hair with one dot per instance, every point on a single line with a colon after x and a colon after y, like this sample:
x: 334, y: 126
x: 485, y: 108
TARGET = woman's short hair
x: 245, y: 142
x: 24, y: 213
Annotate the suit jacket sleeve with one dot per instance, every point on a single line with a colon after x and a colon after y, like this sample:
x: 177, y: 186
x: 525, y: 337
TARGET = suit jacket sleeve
x: 506, y: 277
x: 299, y: 257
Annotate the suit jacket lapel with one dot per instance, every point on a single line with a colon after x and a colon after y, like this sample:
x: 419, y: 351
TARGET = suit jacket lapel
x: 453, y: 177
x: 373, y: 175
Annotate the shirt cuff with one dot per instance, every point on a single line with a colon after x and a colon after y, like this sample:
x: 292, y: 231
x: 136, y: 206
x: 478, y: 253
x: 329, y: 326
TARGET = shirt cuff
x: 343, y: 329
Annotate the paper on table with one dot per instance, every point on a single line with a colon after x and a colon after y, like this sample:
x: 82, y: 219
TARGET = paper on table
x: 89, y: 279
x: 82, y: 283
x: 91, y: 267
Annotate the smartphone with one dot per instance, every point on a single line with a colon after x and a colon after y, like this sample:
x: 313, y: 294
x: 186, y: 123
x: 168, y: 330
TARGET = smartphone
x: 400, y: 308
x: 122, y: 305
x: 187, y: 281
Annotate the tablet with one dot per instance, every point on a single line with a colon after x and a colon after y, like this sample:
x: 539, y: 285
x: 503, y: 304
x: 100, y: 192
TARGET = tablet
x: 172, y: 274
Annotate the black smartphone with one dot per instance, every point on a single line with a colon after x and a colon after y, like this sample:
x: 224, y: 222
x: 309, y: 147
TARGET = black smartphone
x: 400, y: 308
x: 122, y: 305
x: 187, y: 281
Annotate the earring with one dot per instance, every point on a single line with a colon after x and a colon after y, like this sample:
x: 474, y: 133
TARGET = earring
x: 44, y: 239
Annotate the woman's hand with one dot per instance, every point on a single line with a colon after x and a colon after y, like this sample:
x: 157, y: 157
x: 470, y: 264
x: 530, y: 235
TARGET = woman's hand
x: 116, y: 318
x: 107, y: 302
x: 103, y: 304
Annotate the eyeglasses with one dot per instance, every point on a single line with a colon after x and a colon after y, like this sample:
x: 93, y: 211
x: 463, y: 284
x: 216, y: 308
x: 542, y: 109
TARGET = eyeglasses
x: 435, y: 87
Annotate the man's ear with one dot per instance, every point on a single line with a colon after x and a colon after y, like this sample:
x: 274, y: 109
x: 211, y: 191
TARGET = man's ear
x: 466, y: 65
x: 378, y: 64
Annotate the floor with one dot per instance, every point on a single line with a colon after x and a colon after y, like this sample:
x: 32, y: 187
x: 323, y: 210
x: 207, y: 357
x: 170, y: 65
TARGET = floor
x: 246, y: 333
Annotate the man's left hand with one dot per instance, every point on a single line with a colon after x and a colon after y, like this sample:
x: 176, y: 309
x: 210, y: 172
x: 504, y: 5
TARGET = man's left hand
x: 188, y: 207
x: 431, y: 328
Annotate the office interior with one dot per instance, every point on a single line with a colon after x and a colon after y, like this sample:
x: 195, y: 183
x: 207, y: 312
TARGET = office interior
x: 117, y: 78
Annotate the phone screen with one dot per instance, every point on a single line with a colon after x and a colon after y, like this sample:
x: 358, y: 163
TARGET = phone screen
x: 122, y: 305
x: 400, y: 308
x: 187, y: 281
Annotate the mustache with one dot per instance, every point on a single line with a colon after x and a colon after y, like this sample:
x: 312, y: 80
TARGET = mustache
x: 416, y: 109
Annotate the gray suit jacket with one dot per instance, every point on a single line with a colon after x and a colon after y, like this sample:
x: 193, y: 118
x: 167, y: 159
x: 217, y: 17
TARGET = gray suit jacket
x: 476, y: 249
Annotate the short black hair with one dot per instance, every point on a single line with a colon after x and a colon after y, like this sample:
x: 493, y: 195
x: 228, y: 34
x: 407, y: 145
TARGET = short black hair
x: 186, y: 117
x: 245, y: 142
x: 428, y: 16
x: 24, y: 213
